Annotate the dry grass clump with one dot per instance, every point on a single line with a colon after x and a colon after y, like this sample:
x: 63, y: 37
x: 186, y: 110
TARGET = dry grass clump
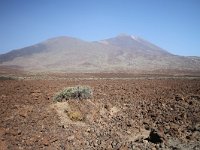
x: 78, y: 92
x: 75, y: 115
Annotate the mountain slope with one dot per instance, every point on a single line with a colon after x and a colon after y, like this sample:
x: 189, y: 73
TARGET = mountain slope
x: 121, y: 53
x: 27, y: 51
x: 143, y: 55
x: 136, y: 45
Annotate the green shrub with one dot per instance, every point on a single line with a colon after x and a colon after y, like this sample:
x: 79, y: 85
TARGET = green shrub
x: 6, y: 78
x: 78, y: 92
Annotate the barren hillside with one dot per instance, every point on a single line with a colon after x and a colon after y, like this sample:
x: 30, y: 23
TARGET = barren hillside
x: 123, y: 53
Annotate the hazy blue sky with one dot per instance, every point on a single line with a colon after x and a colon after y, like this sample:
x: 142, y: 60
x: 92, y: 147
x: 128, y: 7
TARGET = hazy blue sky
x: 171, y: 24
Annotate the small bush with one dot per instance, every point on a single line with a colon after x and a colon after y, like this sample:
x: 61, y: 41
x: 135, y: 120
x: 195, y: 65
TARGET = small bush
x: 78, y: 92
x: 6, y: 78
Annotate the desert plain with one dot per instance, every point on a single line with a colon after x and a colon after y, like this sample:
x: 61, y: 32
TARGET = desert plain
x: 126, y: 111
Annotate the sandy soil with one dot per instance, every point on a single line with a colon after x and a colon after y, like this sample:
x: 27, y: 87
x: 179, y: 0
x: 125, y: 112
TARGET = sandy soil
x: 154, y: 113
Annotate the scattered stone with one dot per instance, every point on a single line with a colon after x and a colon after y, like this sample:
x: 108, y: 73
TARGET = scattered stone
x: 48, y: 127
x: 45, y: 141
x: 114, y: 110
x: 154, y: 137
x: 197, y: 127
x: 70, y: 138
x: 30, y: 141
x: 178, y: 98
x: 197, y: 98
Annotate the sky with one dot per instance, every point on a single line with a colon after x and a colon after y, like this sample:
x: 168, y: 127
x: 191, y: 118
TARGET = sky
x: 173, y: 25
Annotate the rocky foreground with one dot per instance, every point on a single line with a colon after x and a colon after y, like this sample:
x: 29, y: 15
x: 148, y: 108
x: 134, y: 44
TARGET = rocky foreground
x: 122, y: 114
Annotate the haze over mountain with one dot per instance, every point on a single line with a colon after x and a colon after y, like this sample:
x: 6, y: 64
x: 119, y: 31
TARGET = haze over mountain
x: 122, y: 53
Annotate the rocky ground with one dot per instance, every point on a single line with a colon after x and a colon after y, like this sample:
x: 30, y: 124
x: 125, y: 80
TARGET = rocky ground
x: 125, y: 114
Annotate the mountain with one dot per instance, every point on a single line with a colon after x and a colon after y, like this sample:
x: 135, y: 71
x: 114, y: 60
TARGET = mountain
x: 123, y: 53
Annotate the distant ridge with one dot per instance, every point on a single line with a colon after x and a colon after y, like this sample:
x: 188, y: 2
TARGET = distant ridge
x: 123, y: 53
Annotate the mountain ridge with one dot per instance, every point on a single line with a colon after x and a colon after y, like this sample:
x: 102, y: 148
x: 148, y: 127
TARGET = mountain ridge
x: 120, y: 53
